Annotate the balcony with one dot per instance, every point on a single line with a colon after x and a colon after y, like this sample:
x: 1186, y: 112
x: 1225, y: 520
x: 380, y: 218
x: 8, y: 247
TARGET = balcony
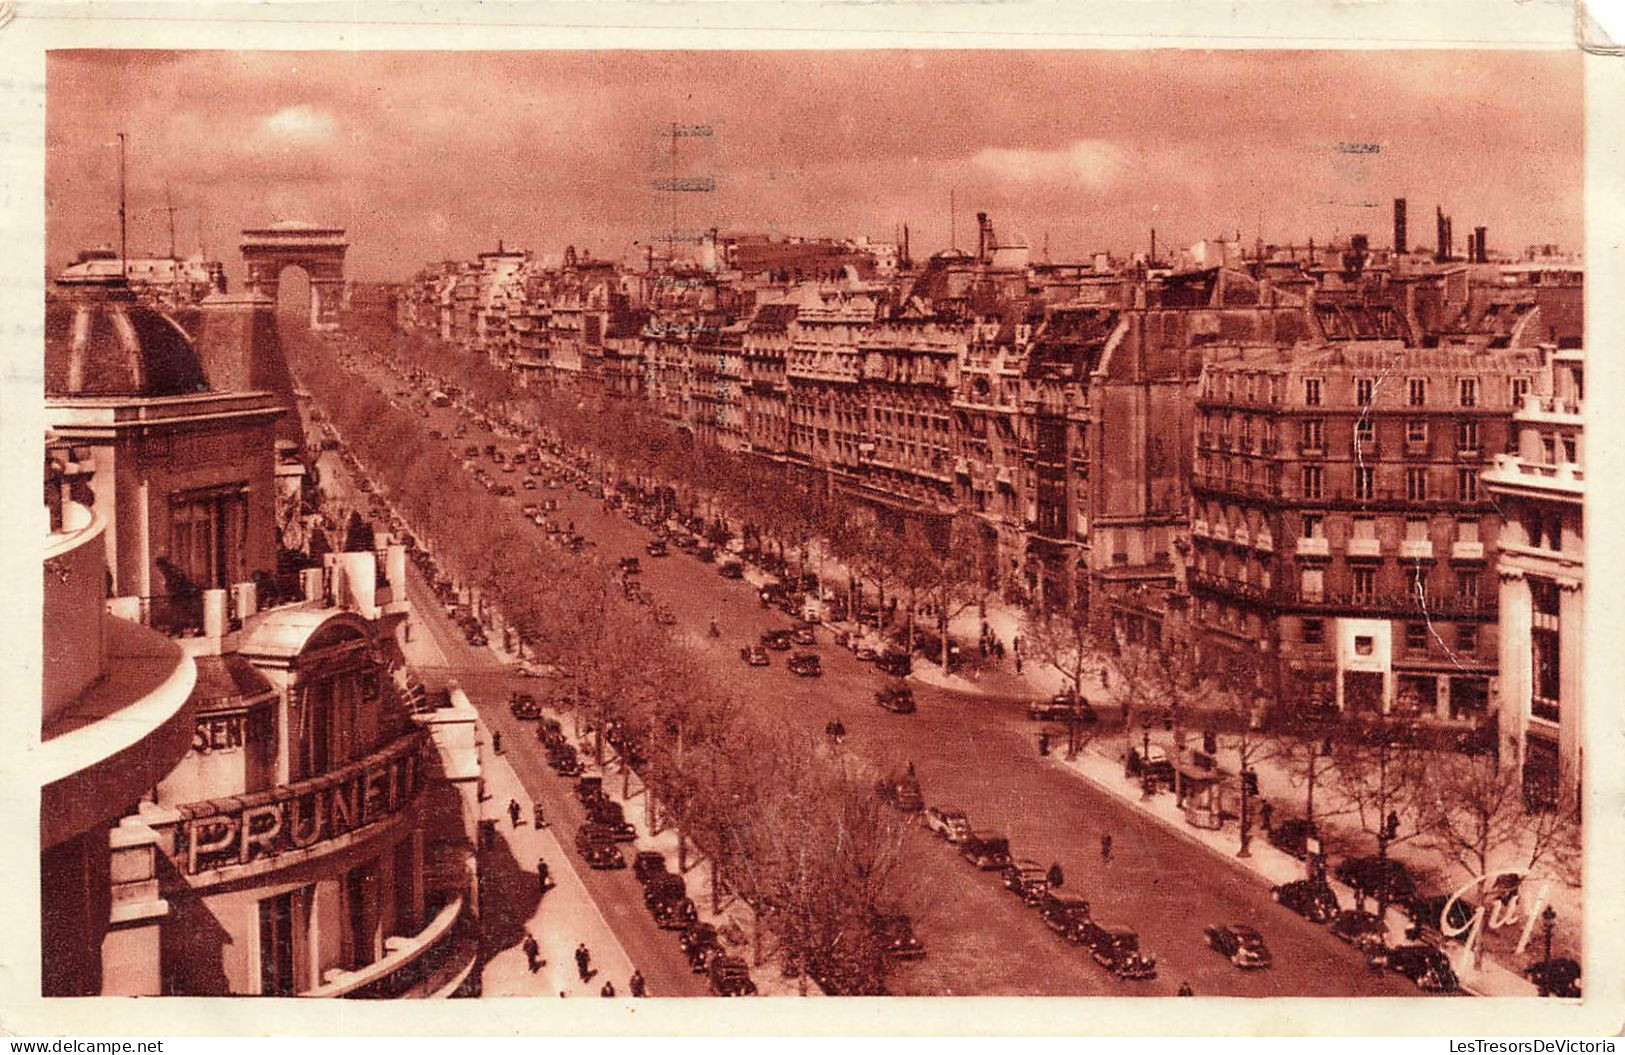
x: 1365, y: 448
x: 1221, y: 530
x: 1418, y: 449
x: 1416, y: 549
x: 1467, y: 552
x: 1311, y: 450
x: 1249, y: 591
x: 1314, y: 547
x: 1264, y: 542
x: 1474, y: 453
x: 434, y: 961
x: 1199, y: 528
x: 1365, y: 548
x: 1400, y: 605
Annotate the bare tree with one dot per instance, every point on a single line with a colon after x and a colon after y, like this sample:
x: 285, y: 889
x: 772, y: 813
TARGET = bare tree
x: 1380, y: 772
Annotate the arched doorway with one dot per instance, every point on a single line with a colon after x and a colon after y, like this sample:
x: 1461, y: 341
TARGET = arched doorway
x: 317, y: 250
x: 293, y: 298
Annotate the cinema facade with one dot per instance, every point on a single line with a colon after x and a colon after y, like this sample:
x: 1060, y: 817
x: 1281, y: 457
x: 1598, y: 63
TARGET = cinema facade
x: 244, y: 799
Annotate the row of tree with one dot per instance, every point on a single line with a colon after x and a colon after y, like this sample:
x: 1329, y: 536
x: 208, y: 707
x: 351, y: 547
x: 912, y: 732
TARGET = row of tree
x: 783, y: 823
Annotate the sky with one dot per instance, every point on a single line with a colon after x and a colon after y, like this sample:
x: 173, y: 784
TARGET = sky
x: 423, y: 156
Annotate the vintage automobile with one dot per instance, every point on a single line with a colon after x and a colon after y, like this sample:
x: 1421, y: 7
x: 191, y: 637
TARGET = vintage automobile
x: 631, y: 566
x: 730, y: 977
x: 1357, y: 927
x: 897, y: 698
x: 949, y: 822
x: 1059, y: 708
x: 1065, y: 916
x: 1429, y: 914
x: 1425, y: 965
x: 524, y: 706
x: 901, y: 792
x: 731, y: 569
x: 647, y: 865
x: 697, y: 936
x: 700, y: 957
x: 664, y: 887
x: 589, y: 788
x: 675, y: 913
x: 896, y: 933
x: 777, y: 640
x: 1560, y: 977
x: 805, y: 665
x: 603, y: 856
x: 1312, y: 899
x: 656, y: 548
x: 706, y: 553
x: 754, y: 655
x: 1027, y: 879
x: 988, y: 851
x: 866, y: 653
x: 1293, y: 835
x: 592, y: 832
x: 803, y: 635
x: 608, y: 817
x: 565, y: 764
x: 1118, y: 950
x: 897, y: 664
x: 1239, y: 943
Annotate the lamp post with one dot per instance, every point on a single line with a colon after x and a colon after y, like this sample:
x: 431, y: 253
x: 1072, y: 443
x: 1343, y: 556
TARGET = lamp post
x: 1145, y: 755
x: 1548, y: 920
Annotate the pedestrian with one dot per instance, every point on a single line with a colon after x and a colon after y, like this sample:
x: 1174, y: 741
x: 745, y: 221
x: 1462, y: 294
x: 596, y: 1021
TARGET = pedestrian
x: 513, y: 812
x: 1186, y: 990
x: 1106, y: 848
x: 1105, y: 678
x: 583, y: 961
x: 608, y: 990
x: 1015, y: 644
x: 1266, y: 813
x: 533, y: 953
x: 635, y: 983
x: 541, y: 821
x: 1043, y: 744
x: 543, y: 882
x: 496, y: 742
x: 1055, y: 877
x: 1018, y: 662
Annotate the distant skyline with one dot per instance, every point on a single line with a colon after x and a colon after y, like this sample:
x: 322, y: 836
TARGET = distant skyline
x: 425, y: 156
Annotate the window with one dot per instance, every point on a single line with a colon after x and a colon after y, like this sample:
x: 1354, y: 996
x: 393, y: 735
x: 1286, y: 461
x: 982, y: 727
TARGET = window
x: 1365, y: 431
x: 1416, y: 390
x: 1466, y: 530
x: 1365, y: 481
x: 208, y: 535
x: 1467, y: 637
x: 1311, y: 481
x: 1416, y: 431
x: 1311, y: 391
x: 1467, y: 485
x: 1311, y: 431
x: 1548, y: 448
x: 1363, y: 389
x: 1520, y: 388
x: 1467, y: 436
x: 1570, y: 450
x: 1545, y: 649
x: 1416, y: 484
x: 1416, y: 637
x: 1469, y: 391
x: 1314, y: 525
x: 1365, y: 583
x: 276, y: 945
x: 1313, y: 632
x: 1467, y: 585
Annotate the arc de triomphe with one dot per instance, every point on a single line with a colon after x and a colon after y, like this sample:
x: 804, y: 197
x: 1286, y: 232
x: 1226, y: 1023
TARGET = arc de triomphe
x: 317, y: 249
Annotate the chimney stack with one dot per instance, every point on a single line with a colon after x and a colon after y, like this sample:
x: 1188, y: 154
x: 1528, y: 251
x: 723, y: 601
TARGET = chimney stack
x: 1439, y: 252
x: 1482, y: 254
x: 1399, y: 227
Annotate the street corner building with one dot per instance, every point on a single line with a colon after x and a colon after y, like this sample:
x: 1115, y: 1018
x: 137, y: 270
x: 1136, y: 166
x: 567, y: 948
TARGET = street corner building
x: 240, y: 792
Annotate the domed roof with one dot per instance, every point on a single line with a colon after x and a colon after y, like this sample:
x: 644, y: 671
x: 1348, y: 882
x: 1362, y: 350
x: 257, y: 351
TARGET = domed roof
x: 100, y: 342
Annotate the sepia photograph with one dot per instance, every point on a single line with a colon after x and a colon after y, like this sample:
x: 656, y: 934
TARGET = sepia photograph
x: 911, y: 522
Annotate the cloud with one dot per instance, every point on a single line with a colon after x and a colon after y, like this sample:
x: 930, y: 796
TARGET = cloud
x: 1090, y: 162
x: 300, y: 123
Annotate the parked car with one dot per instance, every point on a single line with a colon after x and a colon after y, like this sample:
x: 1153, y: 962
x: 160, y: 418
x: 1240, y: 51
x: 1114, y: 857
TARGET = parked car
x: 1240, y: 944
x: 1425, y: 965
x: 949, y: 822
x: 1061, y: 707
x: 730, y: 977
x: 897, y: 664
x: 897, y: 698
x: 901, y: 792
x: 676, y: 914
x: 701, y: 957
x: 706, y: 553
x: 1385, y: 879
x: 1118, y: 950
x: 603, y: 856
x: 1357, y: 927
x: 1027, y: 879
x: 803, y: 635
x: 1560, y: 977
x: 805, y: 664
x: 656, y: 548
x: 588, y: 788
x: 986, y: 850
x: 896, y: 933
x: 648, y: 864
x: 630, y: 566
x: 524, y: 706
x: 1293, y: 835
x: 592, y: 832
x: 1065, y: 916
x: 777, y: 640
x: 1429, y: 913
x: 731, y: 569
x: 664, y: 887
x: 1312, y: 899
x: 697, y: 936
x: 754, y: 655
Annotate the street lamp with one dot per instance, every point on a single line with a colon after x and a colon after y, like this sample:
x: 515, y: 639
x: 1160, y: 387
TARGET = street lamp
x: 1145, y: 757
x: 1548, y: 920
